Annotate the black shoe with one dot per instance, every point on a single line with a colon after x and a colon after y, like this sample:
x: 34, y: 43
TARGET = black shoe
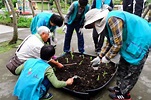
x: 114, y: 89
x: 120, y: 96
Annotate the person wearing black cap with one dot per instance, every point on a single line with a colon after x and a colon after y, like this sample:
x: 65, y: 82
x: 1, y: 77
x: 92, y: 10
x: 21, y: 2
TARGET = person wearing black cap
x: 75, y: 20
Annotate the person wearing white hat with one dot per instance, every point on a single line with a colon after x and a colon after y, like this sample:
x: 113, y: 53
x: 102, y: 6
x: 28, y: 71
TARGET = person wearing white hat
x: 97, y: 38
x: 127, y: 35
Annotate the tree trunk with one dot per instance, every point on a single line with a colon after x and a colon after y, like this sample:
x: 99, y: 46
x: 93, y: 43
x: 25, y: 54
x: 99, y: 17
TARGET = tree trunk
x: 23, y: 5
x: 65, y: 4
x: 31, y: 7
x: 15, y: 34
x: 59, y: 8
x: 7, y: 5
x: 42, y: 5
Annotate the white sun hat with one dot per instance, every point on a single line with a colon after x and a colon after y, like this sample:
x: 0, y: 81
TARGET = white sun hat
x: 95, y: 15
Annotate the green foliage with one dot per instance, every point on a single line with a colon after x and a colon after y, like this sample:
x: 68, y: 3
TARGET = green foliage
x: 90, y: 58
x: 83, y: 56
x: 45, y: 6
x: 59, y: 30
x: 71, y: 55
x: 67, y: 61
x: 148, y: 1
x: 1, y: 4
x: 24, y: 22
x: 81, y: 62
x: 104, y: 73
x: 117, y: 2
x: 4, y: 19
x: 6, y: 13
x: 4, y: 46
x: 14, y: 2
x: 98, y: 78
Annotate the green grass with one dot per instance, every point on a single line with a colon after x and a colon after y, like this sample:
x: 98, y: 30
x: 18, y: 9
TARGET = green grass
x: 4, y: 46
x: 45, y: 6
x: 59, y: 31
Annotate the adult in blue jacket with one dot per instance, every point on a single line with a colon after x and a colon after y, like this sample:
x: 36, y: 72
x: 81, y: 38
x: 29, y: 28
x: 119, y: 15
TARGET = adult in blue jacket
x: 97, y: 38
x: 74, y: 20
x: 49, y: 20
x: 129, y: 36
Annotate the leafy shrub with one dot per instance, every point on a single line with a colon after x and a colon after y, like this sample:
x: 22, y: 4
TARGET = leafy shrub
x: 24, y: 22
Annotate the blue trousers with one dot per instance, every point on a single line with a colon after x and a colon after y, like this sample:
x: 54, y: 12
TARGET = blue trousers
x: 46, y: 84
x: 68, y: 36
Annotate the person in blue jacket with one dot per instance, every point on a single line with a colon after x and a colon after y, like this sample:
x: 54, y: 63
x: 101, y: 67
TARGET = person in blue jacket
x: 97, y: 38
x: 74, y: 20
x: 37, y: 76
x: 49, y: 20
x: 127, y: 35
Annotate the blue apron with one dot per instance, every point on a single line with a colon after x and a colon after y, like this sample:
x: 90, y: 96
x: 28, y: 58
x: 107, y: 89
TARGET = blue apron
x: 29, y: 85
x: 136, y: 36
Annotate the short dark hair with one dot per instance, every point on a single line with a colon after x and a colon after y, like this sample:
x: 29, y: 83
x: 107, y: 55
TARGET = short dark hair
x: 46, y: 52
x: 83, y: 2
x: 57, y: 20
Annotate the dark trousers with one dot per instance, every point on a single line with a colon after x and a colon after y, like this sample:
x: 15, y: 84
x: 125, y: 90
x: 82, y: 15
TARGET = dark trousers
x: 68, y: 36
x: 129, y: 6
x: 127, y: 74
x: 47, y: 84
x: 98, y: 40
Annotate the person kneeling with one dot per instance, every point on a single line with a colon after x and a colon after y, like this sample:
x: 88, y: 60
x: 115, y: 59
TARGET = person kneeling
x: 36, y: 77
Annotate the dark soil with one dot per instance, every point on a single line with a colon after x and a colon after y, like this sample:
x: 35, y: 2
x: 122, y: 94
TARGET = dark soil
x: 89, y: 78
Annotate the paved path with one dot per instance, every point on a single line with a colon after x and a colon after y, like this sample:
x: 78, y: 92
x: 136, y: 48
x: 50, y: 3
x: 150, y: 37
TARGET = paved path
x: 141, y: 91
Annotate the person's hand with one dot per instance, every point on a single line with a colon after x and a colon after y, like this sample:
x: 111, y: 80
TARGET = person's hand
x: 81, y: 30
x: 59, y: 65
x: 104, y: 60
x: 70, y: 81
x: 96, y: 61
x: 105, y: 6
x: 50, y: 34
x: 64, y: 28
